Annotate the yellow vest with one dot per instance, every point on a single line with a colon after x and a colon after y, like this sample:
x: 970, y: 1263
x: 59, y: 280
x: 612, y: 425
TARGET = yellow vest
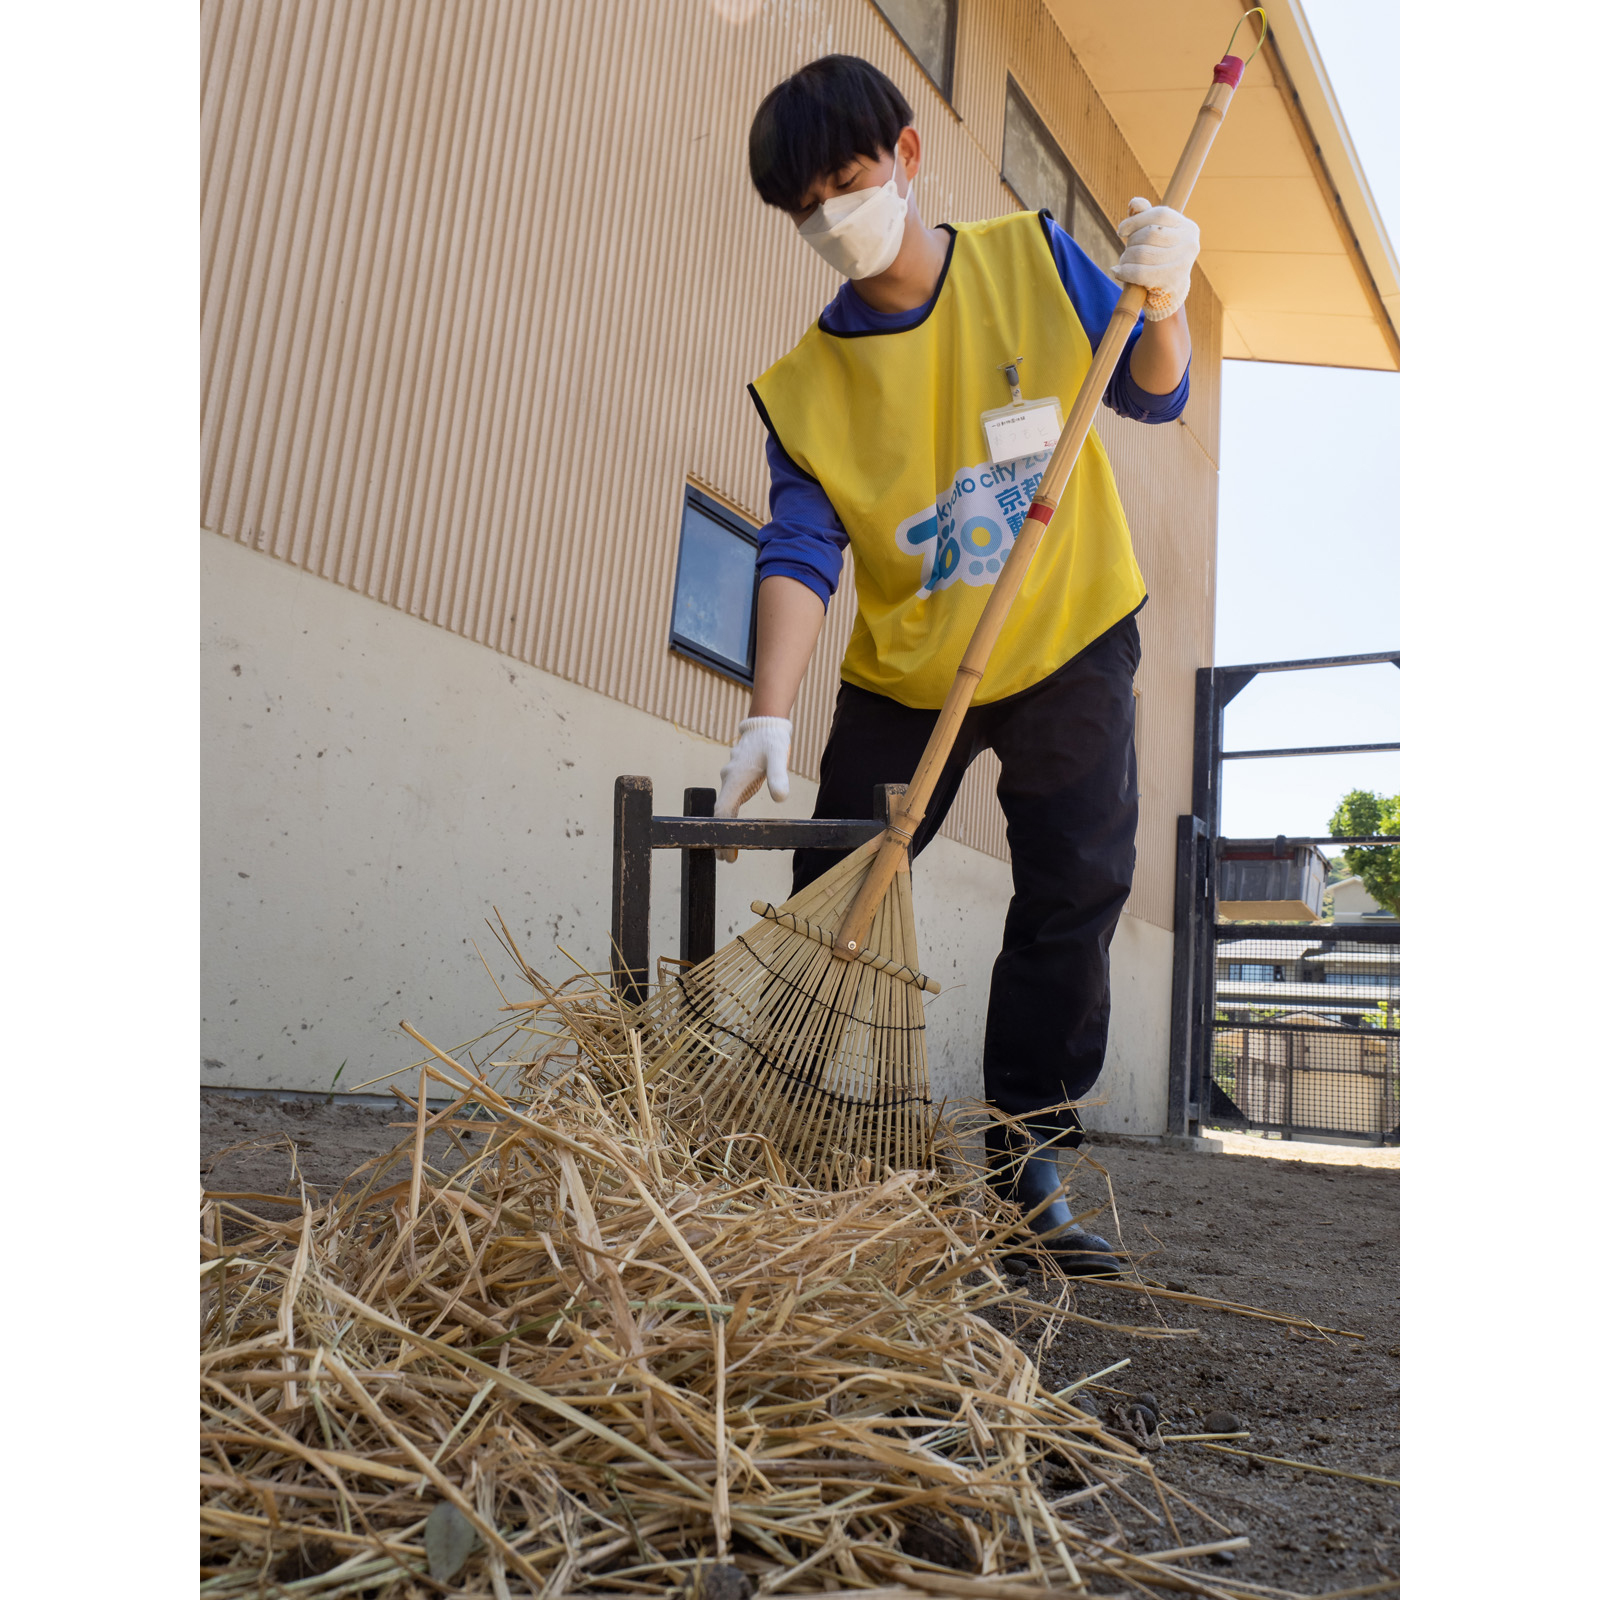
x: 888, y: 425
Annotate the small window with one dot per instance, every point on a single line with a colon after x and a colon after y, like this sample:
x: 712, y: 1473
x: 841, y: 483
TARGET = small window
x: 1037, y: 173
x: 1254, y: 972
x: 714, y: 602
x: 927, y: 28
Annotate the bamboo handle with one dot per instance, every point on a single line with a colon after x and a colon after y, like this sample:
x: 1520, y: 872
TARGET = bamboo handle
x: 896, y: 839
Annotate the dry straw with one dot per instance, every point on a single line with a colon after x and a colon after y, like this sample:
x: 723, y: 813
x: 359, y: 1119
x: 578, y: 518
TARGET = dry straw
x: 605, y: 1358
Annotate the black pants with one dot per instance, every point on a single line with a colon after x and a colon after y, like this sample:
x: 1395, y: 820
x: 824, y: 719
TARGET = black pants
x: 1070, y: 793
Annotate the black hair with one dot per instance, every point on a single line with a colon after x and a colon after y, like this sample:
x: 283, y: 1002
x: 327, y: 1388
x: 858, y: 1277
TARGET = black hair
x: 820, y: 119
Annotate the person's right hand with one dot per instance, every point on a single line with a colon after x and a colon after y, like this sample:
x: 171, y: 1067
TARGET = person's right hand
x: 760, y: 751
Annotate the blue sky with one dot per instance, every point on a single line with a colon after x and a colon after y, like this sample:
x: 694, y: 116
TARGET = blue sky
x: 1308, y: 516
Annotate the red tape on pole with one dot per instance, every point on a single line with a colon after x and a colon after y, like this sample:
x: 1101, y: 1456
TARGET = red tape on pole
x: 1229, y: 70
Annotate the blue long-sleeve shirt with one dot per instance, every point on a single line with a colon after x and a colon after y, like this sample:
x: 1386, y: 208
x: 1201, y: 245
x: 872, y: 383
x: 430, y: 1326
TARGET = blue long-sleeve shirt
x: 805, y: 539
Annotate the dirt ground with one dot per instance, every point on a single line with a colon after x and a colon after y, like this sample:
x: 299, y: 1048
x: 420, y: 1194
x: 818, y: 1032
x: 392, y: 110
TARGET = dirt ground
x: 1317, y: 1240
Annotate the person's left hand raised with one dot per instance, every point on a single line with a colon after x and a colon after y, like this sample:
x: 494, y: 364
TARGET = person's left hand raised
x: 1160, y: 248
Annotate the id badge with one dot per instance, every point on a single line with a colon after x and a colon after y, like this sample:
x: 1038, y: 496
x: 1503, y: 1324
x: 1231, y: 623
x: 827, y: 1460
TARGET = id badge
x: 1024, y: 428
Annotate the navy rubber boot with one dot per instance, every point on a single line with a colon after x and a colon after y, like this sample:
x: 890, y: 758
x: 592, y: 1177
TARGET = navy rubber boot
x: 1022, y: 1169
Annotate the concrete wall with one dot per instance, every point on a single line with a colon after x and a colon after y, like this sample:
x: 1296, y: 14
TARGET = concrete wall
x: 374, y: 785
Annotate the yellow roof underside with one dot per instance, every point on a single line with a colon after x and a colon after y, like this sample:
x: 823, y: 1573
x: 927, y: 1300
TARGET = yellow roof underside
x: 1295, y: 285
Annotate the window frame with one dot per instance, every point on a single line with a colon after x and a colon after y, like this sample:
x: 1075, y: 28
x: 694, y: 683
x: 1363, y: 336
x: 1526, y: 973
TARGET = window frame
x: 1236, y: 972
x: 945, y: 91
x: 691, y: 649
x: 1076, y: 187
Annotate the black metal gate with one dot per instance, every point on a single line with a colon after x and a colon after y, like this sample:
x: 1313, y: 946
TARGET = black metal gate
x: 1289, y: 1027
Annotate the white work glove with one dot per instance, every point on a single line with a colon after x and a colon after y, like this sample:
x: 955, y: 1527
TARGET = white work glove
x: 1161, y: 245
x: 760, y: 750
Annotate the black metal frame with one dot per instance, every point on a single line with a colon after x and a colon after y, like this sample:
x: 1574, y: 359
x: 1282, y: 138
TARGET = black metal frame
x: 740, y: 671
x: 1189, y: 1087
x: 637, y: 832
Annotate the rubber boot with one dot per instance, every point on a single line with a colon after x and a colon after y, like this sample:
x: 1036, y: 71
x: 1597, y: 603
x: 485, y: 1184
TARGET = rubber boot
x: 1022, y: 1169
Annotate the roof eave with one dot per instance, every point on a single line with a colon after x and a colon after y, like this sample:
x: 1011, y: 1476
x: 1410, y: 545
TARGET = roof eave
x: 1311, y: 92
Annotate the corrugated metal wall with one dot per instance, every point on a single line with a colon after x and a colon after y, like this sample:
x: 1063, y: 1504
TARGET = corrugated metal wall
x: 483, y: 281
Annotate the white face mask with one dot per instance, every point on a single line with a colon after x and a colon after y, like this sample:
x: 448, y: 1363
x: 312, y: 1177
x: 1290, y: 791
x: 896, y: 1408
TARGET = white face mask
x: 859, y: 234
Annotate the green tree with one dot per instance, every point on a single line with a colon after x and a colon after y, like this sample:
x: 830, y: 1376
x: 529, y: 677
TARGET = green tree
x: 1378, y: 866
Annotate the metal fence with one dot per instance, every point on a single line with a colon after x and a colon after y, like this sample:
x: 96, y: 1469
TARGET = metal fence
x: 1289, y: 1027
x: 1305, y: 1034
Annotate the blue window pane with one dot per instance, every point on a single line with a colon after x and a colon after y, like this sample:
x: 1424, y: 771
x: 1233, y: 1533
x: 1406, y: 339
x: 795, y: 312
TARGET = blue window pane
x: 716, y: 587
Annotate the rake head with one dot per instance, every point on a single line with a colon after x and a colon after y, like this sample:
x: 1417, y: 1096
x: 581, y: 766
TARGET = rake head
x: 825, y: 1060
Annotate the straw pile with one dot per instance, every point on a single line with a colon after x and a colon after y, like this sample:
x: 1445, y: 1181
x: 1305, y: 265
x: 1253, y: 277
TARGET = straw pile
x: 596, y: 1358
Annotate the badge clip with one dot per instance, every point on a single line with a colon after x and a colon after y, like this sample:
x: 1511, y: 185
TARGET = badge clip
x: 1023, y: 428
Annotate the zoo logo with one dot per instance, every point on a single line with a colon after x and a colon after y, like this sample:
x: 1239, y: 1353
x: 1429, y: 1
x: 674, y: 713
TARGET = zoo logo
x: 963, y: 537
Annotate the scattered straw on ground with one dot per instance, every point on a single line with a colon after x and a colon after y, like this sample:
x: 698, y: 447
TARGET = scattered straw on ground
x: 602, y: 1358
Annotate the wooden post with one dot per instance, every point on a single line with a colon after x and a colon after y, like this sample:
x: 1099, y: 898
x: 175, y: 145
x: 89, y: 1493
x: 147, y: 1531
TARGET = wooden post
x: 632, y: 805
x: 697, y: 906
x: 1185, y: 913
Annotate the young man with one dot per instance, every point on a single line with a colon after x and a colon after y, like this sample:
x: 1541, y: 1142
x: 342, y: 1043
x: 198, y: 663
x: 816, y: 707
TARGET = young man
x: 875, y: 439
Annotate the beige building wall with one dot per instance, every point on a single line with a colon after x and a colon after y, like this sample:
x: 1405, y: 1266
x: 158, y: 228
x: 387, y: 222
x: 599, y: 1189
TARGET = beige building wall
x: 375, y: 787
x: 483, y: 282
